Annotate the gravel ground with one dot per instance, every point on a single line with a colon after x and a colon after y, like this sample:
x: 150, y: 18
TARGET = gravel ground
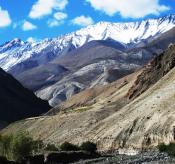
x: 142, y: 158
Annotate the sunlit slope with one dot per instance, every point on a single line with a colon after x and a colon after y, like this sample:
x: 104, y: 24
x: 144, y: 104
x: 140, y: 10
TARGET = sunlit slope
x: 114, y: 120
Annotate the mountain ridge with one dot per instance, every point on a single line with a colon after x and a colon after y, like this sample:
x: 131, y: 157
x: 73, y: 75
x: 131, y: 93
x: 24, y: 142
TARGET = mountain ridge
x: 55, y: 69
x: 125, y: 33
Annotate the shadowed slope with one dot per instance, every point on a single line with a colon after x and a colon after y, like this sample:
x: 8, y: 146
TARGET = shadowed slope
x: 16, y: 102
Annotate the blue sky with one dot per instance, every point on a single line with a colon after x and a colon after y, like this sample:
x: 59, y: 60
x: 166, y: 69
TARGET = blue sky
x: 38, y: 19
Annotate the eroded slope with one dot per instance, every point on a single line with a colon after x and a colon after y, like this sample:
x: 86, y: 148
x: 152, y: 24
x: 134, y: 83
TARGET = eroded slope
x: 142, y: 122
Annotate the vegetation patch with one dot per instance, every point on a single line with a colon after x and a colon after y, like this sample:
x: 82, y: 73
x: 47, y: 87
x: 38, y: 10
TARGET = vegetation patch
x: 20, y: 146
x: 85, y: 146
x: 89, y: 147
x: 51, y: 147
x: 83, y: 109
x: 78, y: 109
x: 169, y: 149
x: 66, y: 146
x: 17, y: 146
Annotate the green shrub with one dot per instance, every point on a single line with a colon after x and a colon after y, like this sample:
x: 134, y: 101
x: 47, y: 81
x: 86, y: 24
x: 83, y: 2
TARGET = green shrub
x: 170, y: 149
x: 51, y: 147
x: 5, y: 145
x: 21, y: 146
x: 162, y: 147
x: 17, y: 146
x: 38, y: 146
x: 66, y: 146
x: 89, y: 146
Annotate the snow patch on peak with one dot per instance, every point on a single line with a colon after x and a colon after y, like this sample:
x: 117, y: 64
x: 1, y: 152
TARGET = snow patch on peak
x: 16, y: 51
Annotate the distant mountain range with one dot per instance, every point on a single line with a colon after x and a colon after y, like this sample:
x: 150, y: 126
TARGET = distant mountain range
x: 17, y: 51
x: 55, y: 69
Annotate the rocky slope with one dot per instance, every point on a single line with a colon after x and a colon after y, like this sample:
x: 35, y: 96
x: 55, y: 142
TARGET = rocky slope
x: 42, y: 76
x: 17, y: 102
x: 106, y: 116
x: 155, y: 70
x: 95, y: 63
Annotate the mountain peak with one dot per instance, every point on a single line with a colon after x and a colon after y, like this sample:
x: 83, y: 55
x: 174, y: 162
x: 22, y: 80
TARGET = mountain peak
x: 17, y: 41
x: 170, y: 18
x: 124, y: 33
x: 14, y: 42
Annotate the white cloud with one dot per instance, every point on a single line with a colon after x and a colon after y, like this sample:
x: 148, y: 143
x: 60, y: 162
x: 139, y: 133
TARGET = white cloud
x: 128, y: 8
x: 58, y: 19
x: 45, y: 7
x: 5, y: 19
x: 54, y: 22
x: 28, y: 26
x: 82, y: 21
x: 60, y: 16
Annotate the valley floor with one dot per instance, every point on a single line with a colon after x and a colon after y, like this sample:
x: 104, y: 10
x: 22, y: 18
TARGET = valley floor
x: 148, y: 157
x: 151, y: 157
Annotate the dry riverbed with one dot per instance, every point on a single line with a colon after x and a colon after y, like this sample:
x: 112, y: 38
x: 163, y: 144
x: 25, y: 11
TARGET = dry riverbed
x: 151, y: 157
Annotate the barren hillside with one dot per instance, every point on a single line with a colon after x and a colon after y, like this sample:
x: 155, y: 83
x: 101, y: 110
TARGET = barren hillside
x: 106, y: 115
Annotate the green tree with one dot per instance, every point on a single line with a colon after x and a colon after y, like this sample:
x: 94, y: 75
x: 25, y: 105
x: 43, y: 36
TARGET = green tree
x: 5, y: 145
x: 89, y: 146
x: 51, y: 147
x: 22, y: 145
x: 170, y: 148
x: 162, y: 147
x: 17, y: 146
x: 66, y: 146
x: 38, y: 146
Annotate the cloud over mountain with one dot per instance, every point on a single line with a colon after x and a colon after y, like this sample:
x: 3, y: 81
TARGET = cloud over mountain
x: 28, y: 26
x: 5, y: 19
x: 58, y: 19
x: 45, y: 7
x: 82, y: 21
x: 127, y: 8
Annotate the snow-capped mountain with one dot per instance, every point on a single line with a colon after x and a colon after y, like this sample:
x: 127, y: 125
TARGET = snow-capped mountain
x: 17, y: 51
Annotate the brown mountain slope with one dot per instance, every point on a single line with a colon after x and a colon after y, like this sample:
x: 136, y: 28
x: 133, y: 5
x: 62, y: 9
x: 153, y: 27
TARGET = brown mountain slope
x: 163, y: 40
x: 155, y: 70
x: 84, y: 109
x: 99, y: 94
x: 147, y: 76
x: 144, y: 122
x: 95, y: 63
